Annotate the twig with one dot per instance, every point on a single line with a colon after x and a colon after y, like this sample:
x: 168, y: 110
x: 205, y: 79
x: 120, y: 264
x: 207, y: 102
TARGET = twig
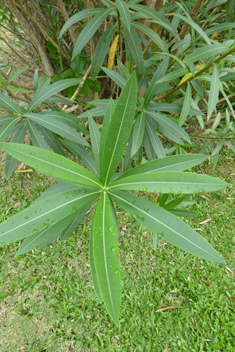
x: 80, y: 86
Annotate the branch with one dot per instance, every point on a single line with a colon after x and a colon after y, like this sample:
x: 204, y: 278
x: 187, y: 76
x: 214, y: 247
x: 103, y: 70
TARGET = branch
x: 80, y: 86
x: 41, y: 30
x: 198, y: 73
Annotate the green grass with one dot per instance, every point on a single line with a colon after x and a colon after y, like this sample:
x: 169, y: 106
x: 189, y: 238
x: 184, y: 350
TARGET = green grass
x: 48, y: 301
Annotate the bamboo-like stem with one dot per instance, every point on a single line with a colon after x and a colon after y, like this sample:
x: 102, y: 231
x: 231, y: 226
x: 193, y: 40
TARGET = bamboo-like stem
x: 44, y: 33
x: 198, y: 73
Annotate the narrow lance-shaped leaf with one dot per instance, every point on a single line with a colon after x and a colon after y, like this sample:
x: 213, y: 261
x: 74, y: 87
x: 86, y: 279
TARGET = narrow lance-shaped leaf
x: 115, y: 76
x: 58, y: 127
x: 74, y: 224
x: 124, y: 12
x: 36, y: 137
x: 169, y: 125
x: 214, y: 92
x: 169, y: 163
x: 101, y: 50
x: 43, y: 214
x: 92, y: 262
x: 165, y: 182
x: 205, y: 52
x: 16, y: 74
x: 7, y: 104
x: 83, y: 154
x: 154, y: 139
x: 10, y: 162
x: 90, y: 30
x: 52, y: 164
x: 52, y: 141
x: 133, y: 42
x: 138, y: 133
x: 152, y: 89
x: 47, y: 92
x: 79, y: 17
x: 95, y: 140
x: 119, y: 129
x: 6, y: 128
x: 150, y: 33
x: 186, y: 105
x: 166, y: 225
x: 40, y: 237
x: 106, y: 257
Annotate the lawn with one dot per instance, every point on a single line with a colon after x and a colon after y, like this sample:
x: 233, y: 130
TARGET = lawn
x: 47, y: 300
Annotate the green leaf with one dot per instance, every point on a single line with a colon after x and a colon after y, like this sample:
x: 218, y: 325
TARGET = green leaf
x: 51, y: 140
x: 173, y: 75
x: 184, y: 213
x: 220, y: 28
x: 173, y: 203
x: 138, y: 133
x: 83, y: 154
x: 92, y: 262
x: 10, y: 106
x: 10, y: 162
x: 101, y: 50
x: 154, y: 139
x: 214, y: 92
x: 119, y: 130
x: 115, y: 76
x: 150, y: 33
x: 79, y: 17
x: 168, y: 226
x: 150, y: 152
x: 52, y: 164
x: 186, y: 106
x: 36, y: 137
x: 124, y: 12
x: 133, y: 42
x: 165, y: 182
x: 47, y: 92
x: 44, y: 214
x: 153, y: 88
x: 205, y: 52
x: 74, y: 224
x: 194, y: 26
x: 5, y: 118
x: 68, y: 119
x: 6, y: 128
x: 93, y: 84
x: 40, y: 237
x: 95, y: 140
x: 58, y: 127
x: 169, y: 125
x: 90, y: 30
x: 169, y: 163
x: 123, y: 70
x: 106, y: 257
x: 155, y: 17
x: 16, y: 74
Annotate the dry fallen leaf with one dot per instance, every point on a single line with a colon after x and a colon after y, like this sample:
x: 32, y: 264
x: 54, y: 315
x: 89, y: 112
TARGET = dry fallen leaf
x: 205, y: 221
x: 17, y: 205
x: 165, y: 308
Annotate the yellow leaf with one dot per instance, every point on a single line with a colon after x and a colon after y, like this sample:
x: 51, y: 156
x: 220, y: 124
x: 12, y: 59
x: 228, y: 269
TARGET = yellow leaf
x: 28, y: 170
x: 112, y: 52
x: 190, y: 74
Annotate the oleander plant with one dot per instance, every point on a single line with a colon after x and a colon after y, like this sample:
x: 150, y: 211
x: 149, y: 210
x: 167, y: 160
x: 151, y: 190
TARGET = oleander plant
x: 61, y: 208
